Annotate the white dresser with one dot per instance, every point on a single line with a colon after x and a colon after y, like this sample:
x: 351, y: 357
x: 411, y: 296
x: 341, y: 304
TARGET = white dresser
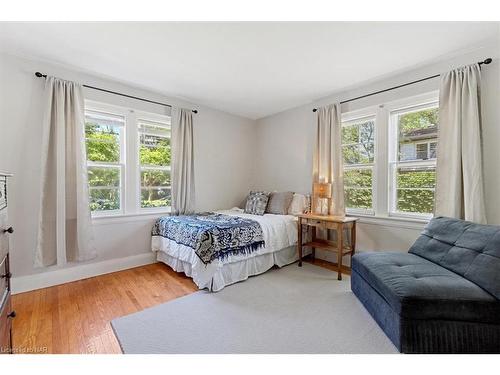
x: 6, y: 312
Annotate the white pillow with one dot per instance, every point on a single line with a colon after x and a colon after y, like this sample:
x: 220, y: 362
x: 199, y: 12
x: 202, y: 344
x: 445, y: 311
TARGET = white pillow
x: 299, y: 204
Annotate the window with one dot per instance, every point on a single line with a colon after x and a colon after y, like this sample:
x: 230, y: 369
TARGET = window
x: 389, y: 153
x: 128, y: 160
x: 358, y: 150
x: 104, y: 135
x: 413, y: 170
x: 154, y: 159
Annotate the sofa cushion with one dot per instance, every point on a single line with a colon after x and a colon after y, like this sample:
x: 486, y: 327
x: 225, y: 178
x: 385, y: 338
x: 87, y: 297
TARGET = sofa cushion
x: 416, y: 288
x: 469, y: 249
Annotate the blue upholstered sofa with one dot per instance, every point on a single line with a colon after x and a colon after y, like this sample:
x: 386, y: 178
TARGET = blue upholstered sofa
x: 443, y: 296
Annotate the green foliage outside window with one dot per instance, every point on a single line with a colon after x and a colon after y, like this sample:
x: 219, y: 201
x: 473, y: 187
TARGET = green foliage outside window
x: 154, y: 151
x: 104, y: 199
x: 358, y: 142
x: 415, y: 189
x: 103, y: 143
x: 157, y: 154
x: 358, y: 188
x: 358, y: 148
x: 418, y: 120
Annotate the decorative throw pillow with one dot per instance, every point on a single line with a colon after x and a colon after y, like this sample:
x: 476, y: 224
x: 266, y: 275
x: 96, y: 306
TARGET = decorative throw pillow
x: 257, y: 202
x: 299, y: 204
x: 279, y: 202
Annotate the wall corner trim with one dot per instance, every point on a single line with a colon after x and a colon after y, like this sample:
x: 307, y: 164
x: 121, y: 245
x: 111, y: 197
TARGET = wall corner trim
x: 78, y: 272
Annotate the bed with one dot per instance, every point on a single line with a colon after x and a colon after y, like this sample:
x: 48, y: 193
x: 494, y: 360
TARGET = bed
x: 247, y: 245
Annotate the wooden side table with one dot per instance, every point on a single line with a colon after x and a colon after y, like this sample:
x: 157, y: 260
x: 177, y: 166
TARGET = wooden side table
x: 339, y: 246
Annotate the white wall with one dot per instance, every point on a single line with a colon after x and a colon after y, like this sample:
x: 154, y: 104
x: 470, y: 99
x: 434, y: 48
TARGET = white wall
x: 224, y: 159
x: 286, y: 140
x: 232, y: 155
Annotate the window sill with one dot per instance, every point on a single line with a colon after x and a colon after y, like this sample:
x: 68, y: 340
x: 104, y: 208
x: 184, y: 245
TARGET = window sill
x: 391, y: 221
x: 125, y: 218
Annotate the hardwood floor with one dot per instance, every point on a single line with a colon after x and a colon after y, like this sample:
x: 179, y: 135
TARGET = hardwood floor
x: 75, y: 317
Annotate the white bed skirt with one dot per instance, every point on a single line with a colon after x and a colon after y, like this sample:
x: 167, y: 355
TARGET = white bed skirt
x: 216, y: 278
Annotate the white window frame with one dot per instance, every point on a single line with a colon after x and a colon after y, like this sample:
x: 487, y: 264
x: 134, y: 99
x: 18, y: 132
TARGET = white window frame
x: 385, y: 152
x: 347, y: 120
x: 129, y: 156
x: 107, y: 110
x: 155, y: 119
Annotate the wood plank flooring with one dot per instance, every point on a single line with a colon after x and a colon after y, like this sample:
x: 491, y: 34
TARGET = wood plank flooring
x: 75, y: 317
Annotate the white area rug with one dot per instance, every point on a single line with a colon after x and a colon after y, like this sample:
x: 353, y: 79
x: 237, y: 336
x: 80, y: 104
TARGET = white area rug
x: 287, y: 310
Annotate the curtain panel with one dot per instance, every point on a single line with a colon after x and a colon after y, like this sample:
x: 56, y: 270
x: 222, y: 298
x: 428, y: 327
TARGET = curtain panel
x: 183, y: 193
x: 328, y: 165
x: 65, y: 232
x: 459, y: 171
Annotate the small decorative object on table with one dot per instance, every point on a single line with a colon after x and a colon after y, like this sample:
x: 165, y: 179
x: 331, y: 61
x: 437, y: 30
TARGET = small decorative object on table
x: 337, y: 223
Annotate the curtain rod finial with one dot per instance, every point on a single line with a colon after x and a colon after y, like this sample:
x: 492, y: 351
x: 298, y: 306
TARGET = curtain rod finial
x: 40, y: 75
x: 488, y: 61
x: 315, y: 109
x: 195, y: 111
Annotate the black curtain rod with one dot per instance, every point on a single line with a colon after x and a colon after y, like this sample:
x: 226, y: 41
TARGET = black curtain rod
x: 40, y: 75
x: 486, y: 61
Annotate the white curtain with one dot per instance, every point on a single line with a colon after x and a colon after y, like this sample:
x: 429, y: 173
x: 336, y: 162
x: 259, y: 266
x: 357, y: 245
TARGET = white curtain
x: 459, y: 185
x: 328, y: 164
x: 65, y: 232
x: 183, y: 199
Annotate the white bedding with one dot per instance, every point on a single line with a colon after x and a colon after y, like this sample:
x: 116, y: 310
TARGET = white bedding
x: 280, y: 232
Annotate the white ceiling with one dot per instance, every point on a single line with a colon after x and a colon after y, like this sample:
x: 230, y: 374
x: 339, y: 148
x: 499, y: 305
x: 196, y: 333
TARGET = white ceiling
x: 249, y: 69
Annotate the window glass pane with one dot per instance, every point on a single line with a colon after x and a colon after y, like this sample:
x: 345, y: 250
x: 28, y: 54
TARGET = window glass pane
x: 422, y: 151
x: 104, y: 199
x: 154, y: 151
x: 102, y: 133
x: 358, y: 198
x: 155, y: 197
x: 350, y: 134
x: 155, y: 188
x: 432, y: 148
x: 358, y: 178
x: 154, y: 144
x: 358, y: 142
x: 416, y: 130
x: 415, y: 189
x: 155, y: 177
x: 358, y: 188
x: 104, y: 176
x: 358, y: 148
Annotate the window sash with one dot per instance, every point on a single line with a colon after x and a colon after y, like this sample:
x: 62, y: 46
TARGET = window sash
x: 118, y: 121
x: 151, y: 167
x: 393, y: 188
x: 412, y: 105
x: 357, y: 121
x: 120, y: 187
x: 357, y: 167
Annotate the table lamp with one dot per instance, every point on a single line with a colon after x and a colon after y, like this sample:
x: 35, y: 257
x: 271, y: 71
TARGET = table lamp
x: 323, y: 190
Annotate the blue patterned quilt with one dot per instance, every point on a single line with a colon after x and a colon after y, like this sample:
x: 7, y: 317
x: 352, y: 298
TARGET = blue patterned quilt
x: 211, y: 235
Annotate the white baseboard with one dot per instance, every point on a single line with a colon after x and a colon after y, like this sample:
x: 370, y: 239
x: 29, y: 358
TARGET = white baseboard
x: 78, y: 272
